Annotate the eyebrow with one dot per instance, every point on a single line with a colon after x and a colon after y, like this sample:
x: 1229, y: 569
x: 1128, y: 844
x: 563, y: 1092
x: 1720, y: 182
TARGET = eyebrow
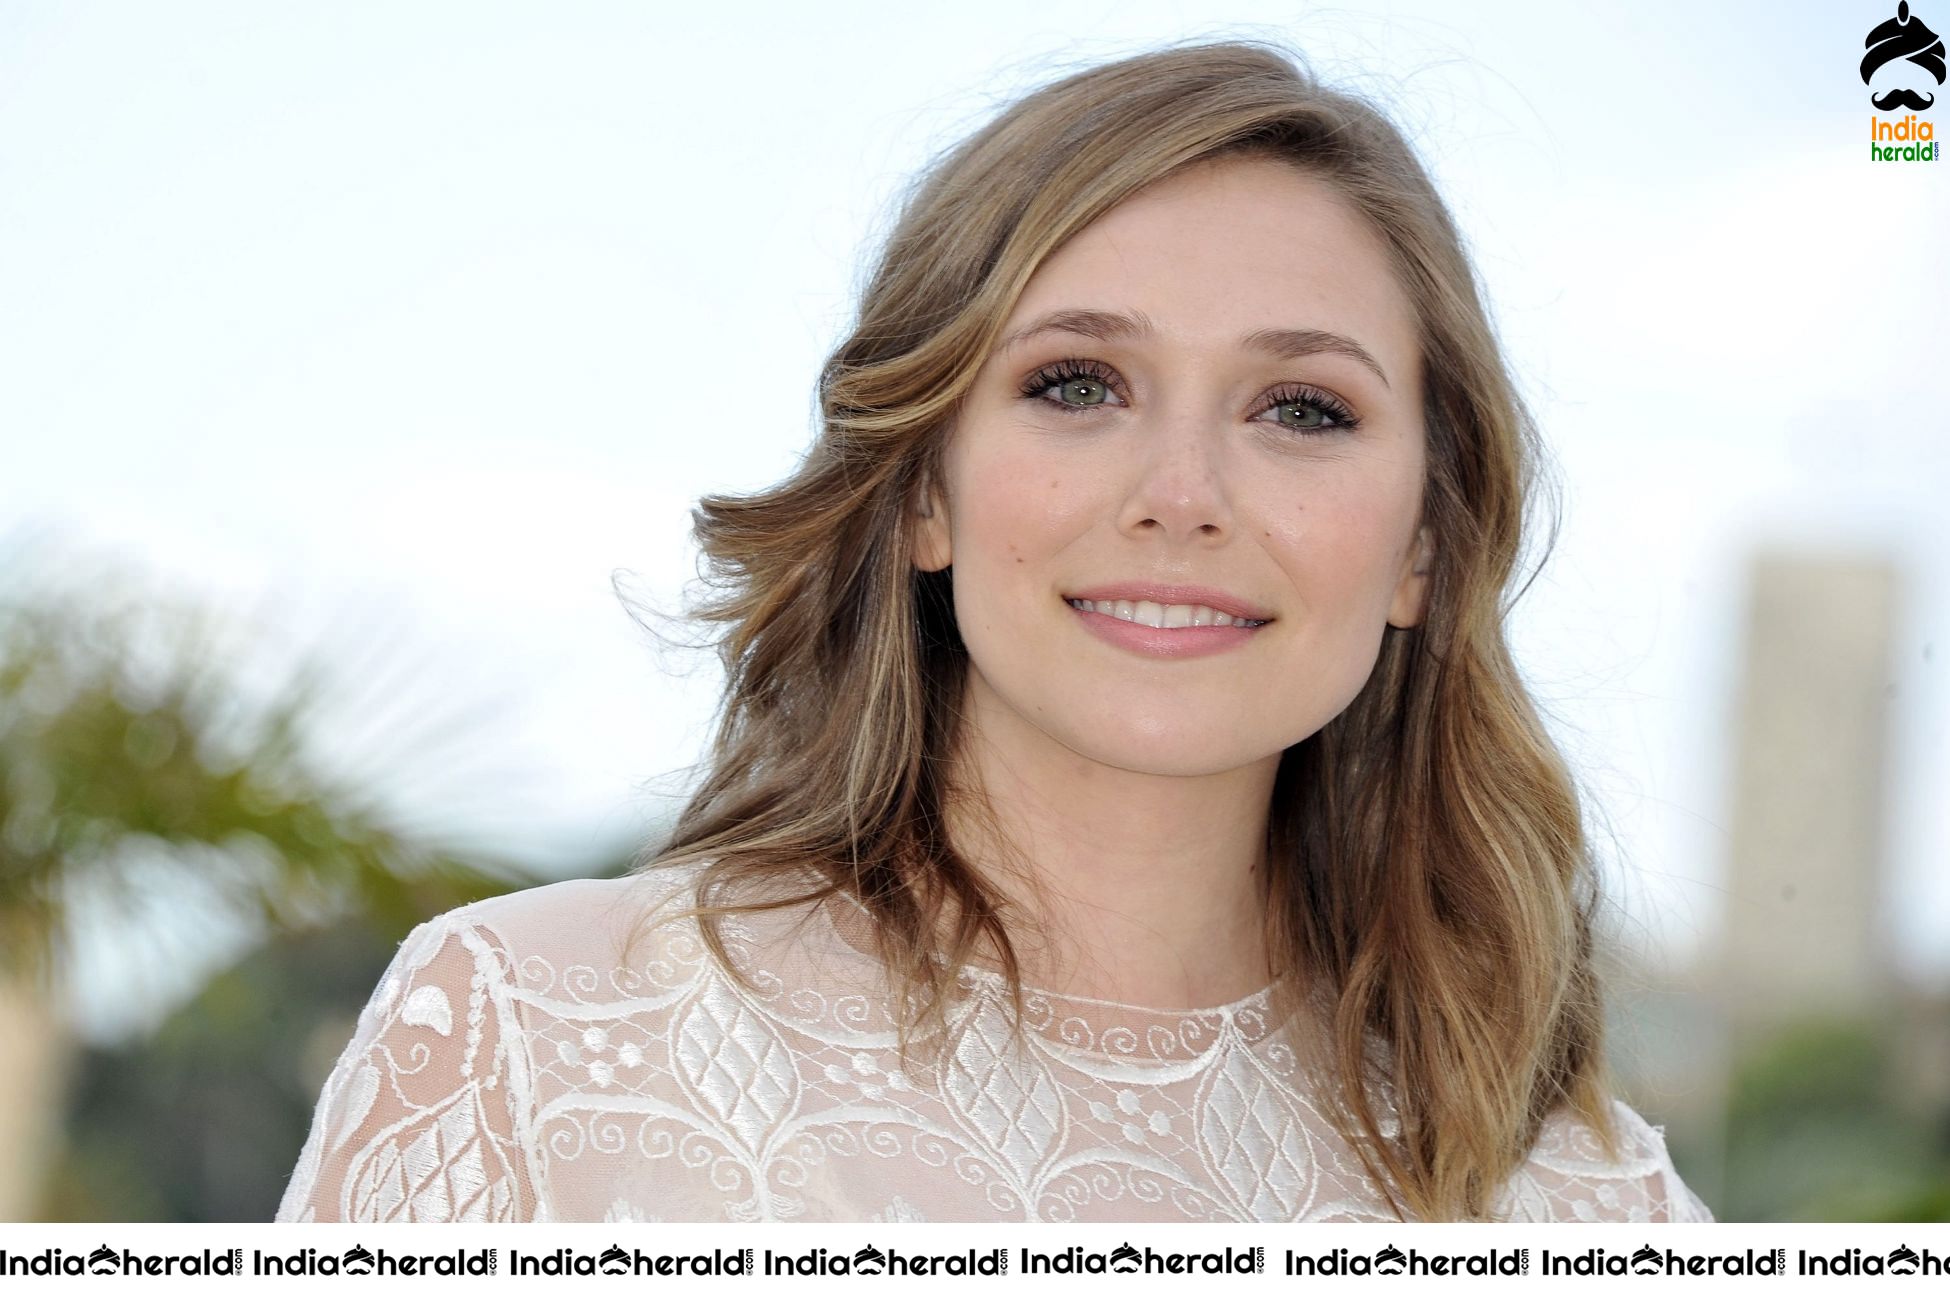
x: 1281, y: 344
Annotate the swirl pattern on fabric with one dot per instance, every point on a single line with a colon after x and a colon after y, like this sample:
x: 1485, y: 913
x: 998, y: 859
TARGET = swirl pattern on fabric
x: 516, y: 1062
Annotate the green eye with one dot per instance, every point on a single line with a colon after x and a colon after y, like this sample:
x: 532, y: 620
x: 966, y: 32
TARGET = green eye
x: 1088, y: 391
x: 1308, y: 415
x: 1314, y: 411
x: 1079, y: 384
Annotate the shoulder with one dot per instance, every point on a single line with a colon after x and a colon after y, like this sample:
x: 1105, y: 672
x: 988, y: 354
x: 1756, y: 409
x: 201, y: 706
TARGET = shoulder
x: 1570, y: 1176
x: 577, y: 903
x: 584, y: 921
x: 426, y: 1115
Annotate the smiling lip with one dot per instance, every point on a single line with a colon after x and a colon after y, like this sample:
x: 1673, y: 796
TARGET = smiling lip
x: 1230, y: 604
x: 1164, y: 642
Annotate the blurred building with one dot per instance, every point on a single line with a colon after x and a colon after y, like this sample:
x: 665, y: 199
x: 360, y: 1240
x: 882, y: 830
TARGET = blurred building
x: 1805, y: 868
x: 1801, y: 999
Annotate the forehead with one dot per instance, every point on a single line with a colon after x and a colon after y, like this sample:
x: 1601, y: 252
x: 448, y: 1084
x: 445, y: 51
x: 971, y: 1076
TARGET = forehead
x: 1221, y: 248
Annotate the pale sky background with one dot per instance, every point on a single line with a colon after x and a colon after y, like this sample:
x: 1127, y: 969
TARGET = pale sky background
x: 414, y: 322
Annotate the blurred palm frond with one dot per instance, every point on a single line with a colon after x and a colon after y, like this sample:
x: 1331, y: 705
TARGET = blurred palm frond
x: 127, y: 728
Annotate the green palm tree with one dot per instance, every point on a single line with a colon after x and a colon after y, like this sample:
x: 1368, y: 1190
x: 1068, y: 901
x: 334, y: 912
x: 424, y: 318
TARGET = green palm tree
x: 133, y: 763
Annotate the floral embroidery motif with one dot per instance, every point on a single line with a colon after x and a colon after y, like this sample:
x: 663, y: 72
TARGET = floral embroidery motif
x: 596, y: 1080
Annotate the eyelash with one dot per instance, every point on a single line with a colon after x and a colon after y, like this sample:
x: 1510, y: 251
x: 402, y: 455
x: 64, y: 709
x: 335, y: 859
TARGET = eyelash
x: 1063, y: 371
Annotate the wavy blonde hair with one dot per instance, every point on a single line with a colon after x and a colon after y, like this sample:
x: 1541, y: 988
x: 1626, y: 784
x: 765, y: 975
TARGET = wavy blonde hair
x: 1429, y: 866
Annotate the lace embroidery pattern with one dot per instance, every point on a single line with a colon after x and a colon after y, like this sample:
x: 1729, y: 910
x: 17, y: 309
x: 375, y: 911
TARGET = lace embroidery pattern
x: 513, y: 1064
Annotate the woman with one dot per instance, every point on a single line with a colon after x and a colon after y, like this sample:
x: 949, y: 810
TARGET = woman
x: 1125, y: 806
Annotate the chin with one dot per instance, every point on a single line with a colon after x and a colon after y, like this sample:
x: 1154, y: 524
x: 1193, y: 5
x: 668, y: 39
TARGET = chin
x: 1197, y: 750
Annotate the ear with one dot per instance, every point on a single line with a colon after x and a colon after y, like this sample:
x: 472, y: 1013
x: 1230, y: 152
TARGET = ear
x: 930, y: 523
x: 1412, y: 590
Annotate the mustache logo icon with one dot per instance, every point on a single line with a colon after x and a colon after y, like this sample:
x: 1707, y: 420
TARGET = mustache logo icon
x: 1895, y: 99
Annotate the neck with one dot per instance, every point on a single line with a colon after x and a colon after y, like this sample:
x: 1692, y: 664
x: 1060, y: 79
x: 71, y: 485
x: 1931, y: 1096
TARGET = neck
x: 1140, y: 888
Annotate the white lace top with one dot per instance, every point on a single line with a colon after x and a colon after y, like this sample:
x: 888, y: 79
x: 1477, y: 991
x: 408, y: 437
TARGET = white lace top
x: 517, y: 1063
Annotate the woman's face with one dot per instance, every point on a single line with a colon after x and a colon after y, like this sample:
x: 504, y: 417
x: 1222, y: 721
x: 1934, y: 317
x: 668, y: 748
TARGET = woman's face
x: 1187, y: 453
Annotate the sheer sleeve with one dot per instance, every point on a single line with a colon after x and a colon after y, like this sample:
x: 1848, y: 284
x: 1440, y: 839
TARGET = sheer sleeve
x: 424, y: 1115
x: 1569, y: 1178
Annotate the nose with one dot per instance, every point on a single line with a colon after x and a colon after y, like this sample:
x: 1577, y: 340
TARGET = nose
x: 1178, y: 486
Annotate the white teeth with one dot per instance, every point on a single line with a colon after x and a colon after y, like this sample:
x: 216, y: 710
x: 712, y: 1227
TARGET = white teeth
x: 1163, y: 616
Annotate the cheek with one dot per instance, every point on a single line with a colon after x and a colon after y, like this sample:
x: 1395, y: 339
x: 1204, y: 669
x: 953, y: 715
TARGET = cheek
x: 1018, y: 506
x: 1339, y: 546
